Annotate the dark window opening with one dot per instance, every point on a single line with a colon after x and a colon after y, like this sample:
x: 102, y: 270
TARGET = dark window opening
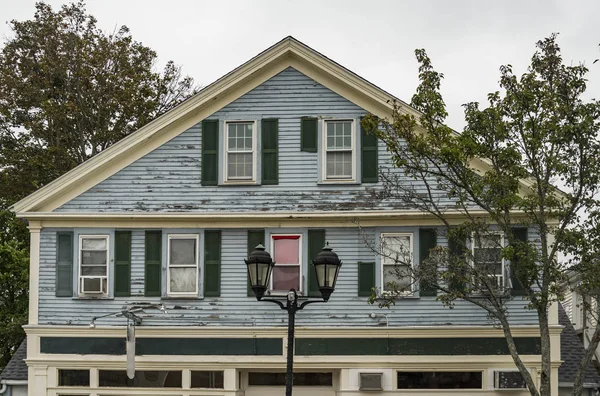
x: 142, y: 379
x: 300, y: 379
x: 73, y: 377
x: 207, y: 379
x: 440, y: 380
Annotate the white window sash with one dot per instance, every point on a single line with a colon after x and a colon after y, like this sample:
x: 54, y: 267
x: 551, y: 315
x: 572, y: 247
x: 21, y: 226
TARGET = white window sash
x: 351, y: 150
x: 196, y: 239
x: 226, y: 177
x: 299, y: 265
x: 500, y: 278
x: 385, y: 235
x: 81, y: 277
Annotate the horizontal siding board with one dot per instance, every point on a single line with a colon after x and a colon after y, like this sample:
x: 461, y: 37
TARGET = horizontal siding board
x: 169, y: 178
x: 235, y: 308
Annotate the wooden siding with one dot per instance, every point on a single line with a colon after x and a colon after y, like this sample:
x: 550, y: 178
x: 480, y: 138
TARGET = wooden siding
x: 168, y: 179
x: 234, y: 308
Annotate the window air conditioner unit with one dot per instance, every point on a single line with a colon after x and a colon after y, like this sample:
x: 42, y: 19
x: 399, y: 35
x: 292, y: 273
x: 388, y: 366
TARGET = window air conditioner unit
x: 371, y: 381
x: 93, y: 285
x: 509, y: 380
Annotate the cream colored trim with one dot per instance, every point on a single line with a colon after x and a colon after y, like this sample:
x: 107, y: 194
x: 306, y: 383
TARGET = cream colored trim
x: 242, y: 220
x: 312, y: 332
x: 34, y: 270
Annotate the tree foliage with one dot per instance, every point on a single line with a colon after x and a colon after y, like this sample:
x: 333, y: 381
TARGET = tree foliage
x: 68, y: 90
x: 501, y: 173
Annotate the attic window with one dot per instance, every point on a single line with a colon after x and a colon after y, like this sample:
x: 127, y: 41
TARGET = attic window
x: 339, y: 156
x: 240, y: 151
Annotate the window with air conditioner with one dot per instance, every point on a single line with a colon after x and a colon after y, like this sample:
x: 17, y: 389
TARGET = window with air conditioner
x: 93, y: 264
x: 509, y: 380
x: 371, y: 381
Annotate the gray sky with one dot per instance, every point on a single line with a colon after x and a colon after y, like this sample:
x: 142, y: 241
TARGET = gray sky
x: 467, y: 40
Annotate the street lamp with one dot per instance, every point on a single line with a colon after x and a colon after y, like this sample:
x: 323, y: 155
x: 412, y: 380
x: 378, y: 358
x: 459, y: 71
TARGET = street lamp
x: 260, y: 265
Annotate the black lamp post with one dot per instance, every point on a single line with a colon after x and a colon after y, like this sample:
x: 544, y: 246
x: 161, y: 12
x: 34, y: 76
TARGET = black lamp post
x: 260, y: 265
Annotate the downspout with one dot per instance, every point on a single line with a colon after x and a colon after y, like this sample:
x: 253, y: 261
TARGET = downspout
x: 3, y: 389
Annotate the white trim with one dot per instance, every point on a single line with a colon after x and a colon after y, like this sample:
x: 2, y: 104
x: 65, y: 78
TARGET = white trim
x: 80, y: 277
x: 170, y: 237
x: 410, y: 236
x: 300, y: 265
x: 34, y: 271
x: 225, y: 149
x: 324, y: 151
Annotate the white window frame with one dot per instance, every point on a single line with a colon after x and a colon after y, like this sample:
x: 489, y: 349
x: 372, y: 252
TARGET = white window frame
x: 300, y: 264
x: 324, y: 150
x: 170, y: 237
x: 503, y: 269
x: 410, y: 235
x: 81, y: 277
x: 226, y: 152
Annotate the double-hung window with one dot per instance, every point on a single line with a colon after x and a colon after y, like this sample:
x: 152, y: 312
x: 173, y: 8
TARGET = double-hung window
x: 182, y: 273
x: 287, y: 253
x: 397, y: 262
x: 240, y: 151
x: 93, y: 264
x: 339, y: 155
x: 487, y: 259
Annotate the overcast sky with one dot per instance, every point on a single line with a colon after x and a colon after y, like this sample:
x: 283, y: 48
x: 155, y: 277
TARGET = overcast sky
x: 467, y: 40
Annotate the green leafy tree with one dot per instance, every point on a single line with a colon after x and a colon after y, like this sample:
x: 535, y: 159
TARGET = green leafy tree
x: 68, y: 90
x: 500, y: 174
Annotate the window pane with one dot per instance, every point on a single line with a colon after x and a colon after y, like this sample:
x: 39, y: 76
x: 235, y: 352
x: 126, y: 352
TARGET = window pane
x: 440, y: 380
x: 299, y: 379
x: 73, y: 377
x: 339, y: 164
x: 286, y: 251
x: 286, y: 277
x: 93, y: 257
x: 510, y: 380
x: 91, y: 270
x: 396, y: 249
x: 239, y: 166
x: 339, y: 135
x: 142, y: 379
x: 182, y: 280
x: 93, y: 244
x: 399, y: 274
x: 183, y: 251
x: 239, y: 137
x: 207, y: 379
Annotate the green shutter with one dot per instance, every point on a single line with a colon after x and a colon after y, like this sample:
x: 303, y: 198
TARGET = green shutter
x: 456, y: 259
x: 369, y: 159
x: 64, y: 264
x: 366, y: 278
x: 316, y: 241
x: 122, y: 263
x: 152, y: 283
x: 517, y: 288
x: 270, y: 154
x: 212, y: 263
x: 210, y: 152
x: 427, y: 241
x: 308, y: 134
x: 255, y: 237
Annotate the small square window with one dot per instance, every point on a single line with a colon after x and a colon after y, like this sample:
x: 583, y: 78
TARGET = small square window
x: 287, y: 253
x: 240, y: 151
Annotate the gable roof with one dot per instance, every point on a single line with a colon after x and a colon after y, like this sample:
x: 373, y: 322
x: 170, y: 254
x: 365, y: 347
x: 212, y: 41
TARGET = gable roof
x: 289, y: 52
x: 571, y: 352
x: 16, y: 369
